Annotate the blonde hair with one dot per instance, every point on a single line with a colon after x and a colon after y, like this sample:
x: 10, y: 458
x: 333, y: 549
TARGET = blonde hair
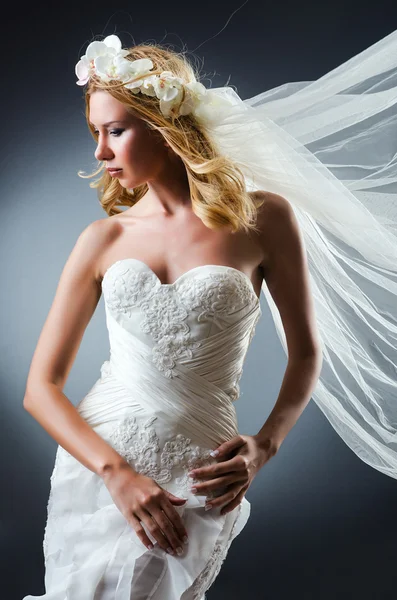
x: 217, y: 187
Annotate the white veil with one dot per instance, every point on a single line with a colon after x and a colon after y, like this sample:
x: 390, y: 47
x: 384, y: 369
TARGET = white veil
x: 330, y: 147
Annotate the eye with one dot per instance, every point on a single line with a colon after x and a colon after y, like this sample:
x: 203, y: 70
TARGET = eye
x: 116, y: 132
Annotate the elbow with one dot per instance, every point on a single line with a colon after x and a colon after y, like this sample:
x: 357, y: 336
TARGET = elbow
x: 315, y: 355
x: 27, y: 400
x: 31, y: 394
x: 37, y: 389
x: 318, y: 361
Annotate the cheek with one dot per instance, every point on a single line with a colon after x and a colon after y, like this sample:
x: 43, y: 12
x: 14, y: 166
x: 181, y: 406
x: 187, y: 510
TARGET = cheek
x: 139, y: 147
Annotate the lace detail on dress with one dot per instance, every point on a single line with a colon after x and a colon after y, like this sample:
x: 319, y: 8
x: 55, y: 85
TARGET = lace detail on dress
x: 140, y: 446
x: 166, y: 309
x: 214, y: 565
x: 125, y: 287
x: 165, y: 317
x: 216, y: 296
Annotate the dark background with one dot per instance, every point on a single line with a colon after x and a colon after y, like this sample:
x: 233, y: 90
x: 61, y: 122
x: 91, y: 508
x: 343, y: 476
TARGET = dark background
x: 323, y: 524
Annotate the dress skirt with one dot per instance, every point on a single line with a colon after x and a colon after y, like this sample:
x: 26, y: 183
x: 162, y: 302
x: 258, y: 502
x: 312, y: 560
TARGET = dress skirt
x: 91, y: 552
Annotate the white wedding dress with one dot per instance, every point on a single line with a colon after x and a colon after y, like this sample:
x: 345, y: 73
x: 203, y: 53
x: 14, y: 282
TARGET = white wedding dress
x: 164, y: 401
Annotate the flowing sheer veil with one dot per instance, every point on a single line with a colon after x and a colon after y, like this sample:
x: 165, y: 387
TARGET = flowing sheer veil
x: 329, y: 147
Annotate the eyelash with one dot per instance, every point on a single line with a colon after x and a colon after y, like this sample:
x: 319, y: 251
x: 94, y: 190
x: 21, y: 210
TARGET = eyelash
x: 117, y: 132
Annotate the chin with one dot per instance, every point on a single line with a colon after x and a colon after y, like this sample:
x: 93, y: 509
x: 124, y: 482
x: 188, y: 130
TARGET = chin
x: 132, y: 183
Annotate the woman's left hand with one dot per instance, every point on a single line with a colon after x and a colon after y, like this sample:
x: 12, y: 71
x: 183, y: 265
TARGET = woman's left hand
x: 237, y: 473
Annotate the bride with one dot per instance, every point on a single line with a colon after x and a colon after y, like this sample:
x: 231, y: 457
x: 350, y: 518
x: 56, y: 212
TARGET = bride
x: 151, y: 472
x: 181, y: 271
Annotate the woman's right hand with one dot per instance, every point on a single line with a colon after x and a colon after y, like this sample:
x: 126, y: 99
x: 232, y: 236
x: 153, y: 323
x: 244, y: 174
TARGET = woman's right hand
x: 140, y: 498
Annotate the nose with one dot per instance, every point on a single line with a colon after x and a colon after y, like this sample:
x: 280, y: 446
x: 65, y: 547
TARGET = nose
x: 103, y: 152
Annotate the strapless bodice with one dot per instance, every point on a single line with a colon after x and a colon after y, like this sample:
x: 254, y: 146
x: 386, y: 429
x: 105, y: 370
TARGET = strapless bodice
x: 176, y: 319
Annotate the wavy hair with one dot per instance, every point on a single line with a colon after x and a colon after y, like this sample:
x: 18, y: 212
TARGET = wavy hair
x: 217, y: 188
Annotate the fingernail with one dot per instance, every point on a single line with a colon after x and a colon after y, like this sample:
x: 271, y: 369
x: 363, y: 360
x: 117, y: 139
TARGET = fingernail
x: 214, y: 453
x: 150, y: 546
x: 208, y: 506
x: 179, y: 550
x: 193, y: 490
x: 185, y: 539
x: 170, y: 550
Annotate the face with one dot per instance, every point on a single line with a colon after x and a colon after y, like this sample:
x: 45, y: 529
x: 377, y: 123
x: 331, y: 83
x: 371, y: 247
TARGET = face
x: 127, y: 143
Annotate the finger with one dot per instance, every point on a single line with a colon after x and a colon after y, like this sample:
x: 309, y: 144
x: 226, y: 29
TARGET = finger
x: 227, y: 497
x: 136, y: 524
x: 235, y: 502
x: 154, y: 528
x: 230, y: 445
x: 174, y: 544
x: 219, y: 482
x: 237, y: 463
x: 175, y: 519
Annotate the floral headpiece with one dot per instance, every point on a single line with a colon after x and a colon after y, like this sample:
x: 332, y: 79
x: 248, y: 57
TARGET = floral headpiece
x: 107, y: 61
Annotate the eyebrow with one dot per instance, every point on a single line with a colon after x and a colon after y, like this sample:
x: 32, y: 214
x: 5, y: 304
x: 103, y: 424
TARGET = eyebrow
x: 109, y: 123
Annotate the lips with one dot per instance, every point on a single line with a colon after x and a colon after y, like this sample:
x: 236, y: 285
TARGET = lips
x: 114, y: 172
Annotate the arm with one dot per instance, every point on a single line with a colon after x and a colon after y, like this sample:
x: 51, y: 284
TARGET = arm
x: 76, y: 298
x: 287, y: 278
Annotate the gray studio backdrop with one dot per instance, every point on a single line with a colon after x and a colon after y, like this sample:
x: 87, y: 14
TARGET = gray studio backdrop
x: 322, y: 522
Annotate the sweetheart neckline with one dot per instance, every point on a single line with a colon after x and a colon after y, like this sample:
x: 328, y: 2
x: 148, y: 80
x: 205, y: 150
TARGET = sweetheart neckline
x: 121, y: 260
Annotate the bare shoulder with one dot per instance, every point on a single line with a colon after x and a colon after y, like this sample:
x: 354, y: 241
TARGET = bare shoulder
x: 278, y: 225
x: 273, y: 210
x: 95, y: 239
x: 275, y: 215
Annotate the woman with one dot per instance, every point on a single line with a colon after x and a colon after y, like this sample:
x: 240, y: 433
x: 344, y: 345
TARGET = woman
x: 181, y: 271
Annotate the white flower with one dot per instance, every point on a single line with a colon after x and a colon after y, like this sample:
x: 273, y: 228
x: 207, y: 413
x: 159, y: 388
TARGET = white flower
x: 135, y: 68
x: 107, y: 60
x: 147, y: 86
x: 169, y: 90
x: 109, y: 48
x: 194, y: 92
